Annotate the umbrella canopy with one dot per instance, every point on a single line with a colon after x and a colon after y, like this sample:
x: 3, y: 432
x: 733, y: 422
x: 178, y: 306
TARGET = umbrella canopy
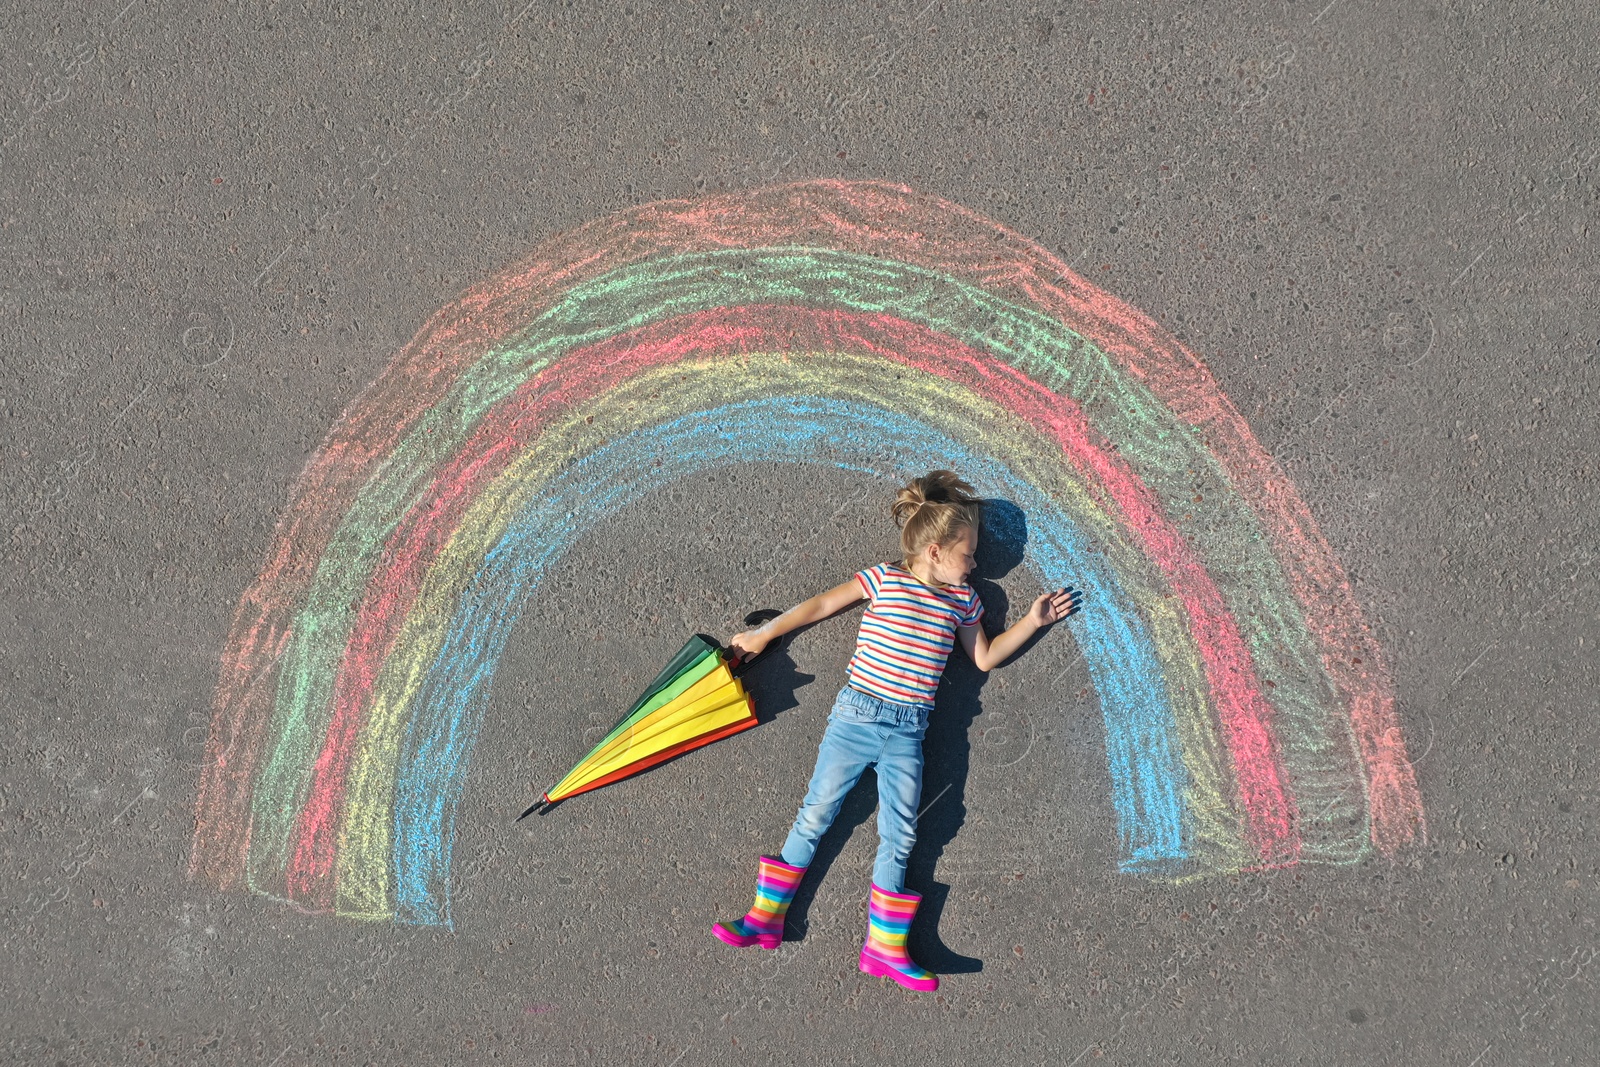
x: 694, y: 701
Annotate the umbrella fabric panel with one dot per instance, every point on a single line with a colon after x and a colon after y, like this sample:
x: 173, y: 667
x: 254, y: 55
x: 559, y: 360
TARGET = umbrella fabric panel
x: 693, y: 661
x: 678, y: 721
x: 666, y: 754
x: 676, y: 724
x: 637, y: 728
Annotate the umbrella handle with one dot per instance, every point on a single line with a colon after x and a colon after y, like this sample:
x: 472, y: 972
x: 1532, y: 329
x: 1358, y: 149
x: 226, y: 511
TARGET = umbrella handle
x: 752, y: 619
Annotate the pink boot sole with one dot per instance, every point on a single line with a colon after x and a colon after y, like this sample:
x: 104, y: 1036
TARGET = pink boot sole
x: 738, y: 940
x: 874, y: 966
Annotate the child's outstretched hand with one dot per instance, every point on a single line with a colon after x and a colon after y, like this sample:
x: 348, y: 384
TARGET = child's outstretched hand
x: 1055, y: 606
x: 747, y: 645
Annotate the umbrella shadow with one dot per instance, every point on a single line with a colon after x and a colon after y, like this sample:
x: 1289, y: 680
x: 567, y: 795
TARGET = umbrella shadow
x: 773, y: 679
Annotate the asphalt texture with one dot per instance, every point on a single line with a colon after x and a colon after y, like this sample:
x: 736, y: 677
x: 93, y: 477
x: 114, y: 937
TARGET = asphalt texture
x: 1374, y: 224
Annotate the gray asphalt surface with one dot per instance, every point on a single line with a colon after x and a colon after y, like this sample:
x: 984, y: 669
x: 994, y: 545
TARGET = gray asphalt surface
x: 1374, y: 222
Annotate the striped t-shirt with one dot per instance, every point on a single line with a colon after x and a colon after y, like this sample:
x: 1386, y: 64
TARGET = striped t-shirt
x: 907, y: 633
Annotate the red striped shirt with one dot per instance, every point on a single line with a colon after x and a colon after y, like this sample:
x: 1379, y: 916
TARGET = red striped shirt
x: 907, y: 633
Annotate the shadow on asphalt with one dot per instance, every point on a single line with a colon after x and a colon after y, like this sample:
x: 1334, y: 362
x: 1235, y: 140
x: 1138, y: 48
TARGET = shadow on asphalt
x: 773, y: 680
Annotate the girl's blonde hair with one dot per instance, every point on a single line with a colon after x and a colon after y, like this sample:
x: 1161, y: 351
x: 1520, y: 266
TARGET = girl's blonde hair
x: 934, y: 509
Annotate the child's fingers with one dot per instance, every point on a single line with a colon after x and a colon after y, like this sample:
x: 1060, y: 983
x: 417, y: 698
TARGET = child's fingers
x: 745, y: 645
x: 1066, y: 602
x: 1058, y: 604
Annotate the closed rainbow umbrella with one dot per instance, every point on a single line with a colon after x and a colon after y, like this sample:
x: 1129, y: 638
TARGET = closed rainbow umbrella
x: 694, y: 701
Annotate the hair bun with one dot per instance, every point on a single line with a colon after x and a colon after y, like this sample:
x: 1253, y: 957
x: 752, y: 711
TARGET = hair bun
x: 934, y: 507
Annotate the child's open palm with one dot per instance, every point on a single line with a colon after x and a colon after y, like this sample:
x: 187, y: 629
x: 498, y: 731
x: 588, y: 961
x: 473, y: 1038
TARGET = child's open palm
x: 1055, y: 606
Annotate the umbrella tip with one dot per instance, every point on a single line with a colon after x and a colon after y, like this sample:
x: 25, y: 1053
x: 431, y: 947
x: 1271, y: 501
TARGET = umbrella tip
x: 532, y: 808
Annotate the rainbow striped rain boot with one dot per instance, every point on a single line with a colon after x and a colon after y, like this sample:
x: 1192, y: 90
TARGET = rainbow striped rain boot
x: 763, y: 923
x: 889, y: 918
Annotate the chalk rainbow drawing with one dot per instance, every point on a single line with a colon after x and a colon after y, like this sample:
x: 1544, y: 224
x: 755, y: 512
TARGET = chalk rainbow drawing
x: 1249, y: 719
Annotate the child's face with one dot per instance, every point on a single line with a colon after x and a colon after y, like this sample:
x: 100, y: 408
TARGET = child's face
x: 951, y: 563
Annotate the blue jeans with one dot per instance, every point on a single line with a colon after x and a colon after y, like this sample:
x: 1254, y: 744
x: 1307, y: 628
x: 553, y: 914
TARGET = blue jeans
x: 863, y: 731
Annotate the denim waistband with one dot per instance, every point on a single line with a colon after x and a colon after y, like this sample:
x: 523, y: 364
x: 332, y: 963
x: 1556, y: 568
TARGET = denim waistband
x: 855, y: 705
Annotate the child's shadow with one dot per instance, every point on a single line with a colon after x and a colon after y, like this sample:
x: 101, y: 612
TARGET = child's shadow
x: 947, y: 750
